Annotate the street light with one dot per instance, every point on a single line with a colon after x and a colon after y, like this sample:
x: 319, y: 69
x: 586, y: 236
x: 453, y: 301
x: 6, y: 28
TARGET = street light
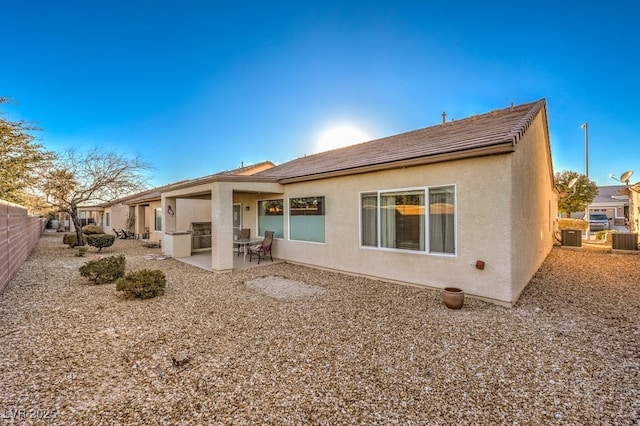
x: 585, y: 126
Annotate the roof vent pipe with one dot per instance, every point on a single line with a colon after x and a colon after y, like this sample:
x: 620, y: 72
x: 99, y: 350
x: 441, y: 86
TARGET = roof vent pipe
x: 444, y: 118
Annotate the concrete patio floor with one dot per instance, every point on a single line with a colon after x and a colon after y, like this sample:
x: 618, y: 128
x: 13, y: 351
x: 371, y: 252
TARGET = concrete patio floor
x: 203, y: 260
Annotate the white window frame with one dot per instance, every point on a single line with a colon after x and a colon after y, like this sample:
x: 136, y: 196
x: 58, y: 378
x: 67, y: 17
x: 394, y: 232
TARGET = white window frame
x: 427, y: 250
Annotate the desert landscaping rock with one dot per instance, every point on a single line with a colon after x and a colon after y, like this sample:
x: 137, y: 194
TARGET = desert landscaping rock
x: 180, y: 359
x: 356, y: 351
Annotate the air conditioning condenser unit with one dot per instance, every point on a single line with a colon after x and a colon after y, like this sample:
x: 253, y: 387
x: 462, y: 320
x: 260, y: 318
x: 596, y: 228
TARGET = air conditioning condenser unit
x: 571, y: 238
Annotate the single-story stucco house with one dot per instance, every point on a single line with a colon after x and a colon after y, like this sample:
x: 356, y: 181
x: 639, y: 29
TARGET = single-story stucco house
x: 468, y: 203
x: 613, y: 201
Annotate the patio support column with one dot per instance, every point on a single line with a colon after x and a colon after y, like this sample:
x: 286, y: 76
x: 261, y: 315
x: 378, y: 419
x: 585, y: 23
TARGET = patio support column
x: 140, y: 220
x: 131, y: 213
x: 169, y: 214
x: 222, y: 230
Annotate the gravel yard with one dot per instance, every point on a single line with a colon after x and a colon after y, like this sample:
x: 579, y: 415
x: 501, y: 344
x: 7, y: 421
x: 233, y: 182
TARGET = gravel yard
x: 338, y: 349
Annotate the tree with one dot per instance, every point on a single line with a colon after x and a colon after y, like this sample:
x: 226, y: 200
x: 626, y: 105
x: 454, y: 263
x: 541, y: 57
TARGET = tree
x: 21, y: 160
x: 76, y: 179
x: 574, y: 199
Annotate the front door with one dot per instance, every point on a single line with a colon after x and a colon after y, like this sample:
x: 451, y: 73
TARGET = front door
x: 237, y: 220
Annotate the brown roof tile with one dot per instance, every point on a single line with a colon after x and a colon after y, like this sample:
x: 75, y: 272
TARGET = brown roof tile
x: 477, y: 133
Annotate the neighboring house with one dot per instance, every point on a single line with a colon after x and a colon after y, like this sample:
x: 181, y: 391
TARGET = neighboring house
x: 141, y: 213
x: 613, y: 201
x: 421, y: 207
x: 634, y: 207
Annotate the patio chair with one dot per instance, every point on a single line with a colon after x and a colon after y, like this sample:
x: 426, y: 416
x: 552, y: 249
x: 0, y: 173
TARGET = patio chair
x: 129, y: 234
x: 245, y: 234
x: 263, y: 248
x: 120, y: 234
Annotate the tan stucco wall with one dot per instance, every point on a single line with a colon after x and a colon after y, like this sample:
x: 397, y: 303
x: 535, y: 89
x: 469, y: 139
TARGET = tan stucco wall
x: 150, y: 221
x: 191, y: 210
x: 483, y: 208
x: 634, y: 209
x: 118, y: 217
x: 144, y: 217
x: 534, y: 206
x: 248, y: 217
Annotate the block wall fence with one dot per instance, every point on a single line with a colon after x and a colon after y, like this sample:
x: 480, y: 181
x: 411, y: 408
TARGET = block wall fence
x: 19, y: 234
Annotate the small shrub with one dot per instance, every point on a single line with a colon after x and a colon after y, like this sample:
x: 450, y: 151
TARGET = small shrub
x: 72, y: 240
x: 143, y: 284
x: 105, y: 270
x: 100, y: 240
x: 92, y: 230
x: 605, y: 235
x: 82, y: 250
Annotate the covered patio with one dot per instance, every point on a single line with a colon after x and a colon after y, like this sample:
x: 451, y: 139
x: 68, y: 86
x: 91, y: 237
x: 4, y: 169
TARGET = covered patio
x: 223, y: 205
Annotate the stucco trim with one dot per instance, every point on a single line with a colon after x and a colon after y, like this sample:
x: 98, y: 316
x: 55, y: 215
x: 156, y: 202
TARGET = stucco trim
x: 225, y: 178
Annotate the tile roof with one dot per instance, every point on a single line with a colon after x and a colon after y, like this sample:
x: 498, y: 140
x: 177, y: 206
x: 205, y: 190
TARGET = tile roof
x: 495, y: 131
x: 611, y: 194
x: 155, y: 193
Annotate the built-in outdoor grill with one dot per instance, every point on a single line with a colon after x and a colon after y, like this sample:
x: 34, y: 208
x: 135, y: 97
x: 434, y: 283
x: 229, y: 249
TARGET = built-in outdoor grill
x: 200, y: 236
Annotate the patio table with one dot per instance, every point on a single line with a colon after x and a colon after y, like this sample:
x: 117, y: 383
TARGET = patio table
x: 245, y: 243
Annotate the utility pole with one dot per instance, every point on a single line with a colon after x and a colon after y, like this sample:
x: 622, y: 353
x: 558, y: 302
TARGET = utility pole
x: 587, y: 216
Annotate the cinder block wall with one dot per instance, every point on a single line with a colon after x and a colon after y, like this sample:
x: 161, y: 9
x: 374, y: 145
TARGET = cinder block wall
x: 19, y: 234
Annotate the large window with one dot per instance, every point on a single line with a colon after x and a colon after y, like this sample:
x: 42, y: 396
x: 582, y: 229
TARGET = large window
x: 398, y: 219
x: 442, y: 219
x: 369, y: 219
x: 307, y: 219
x: 271, y: 217
x: 402, y: 220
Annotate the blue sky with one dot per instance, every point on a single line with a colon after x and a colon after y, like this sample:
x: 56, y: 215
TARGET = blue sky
x: 198, y: 87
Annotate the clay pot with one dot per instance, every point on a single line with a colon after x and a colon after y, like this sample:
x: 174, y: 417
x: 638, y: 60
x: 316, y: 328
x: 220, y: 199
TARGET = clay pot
x: 453, y: 297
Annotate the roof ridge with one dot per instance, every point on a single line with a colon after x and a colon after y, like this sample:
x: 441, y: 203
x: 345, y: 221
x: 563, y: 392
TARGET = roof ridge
x: 521, y: 127
x: 493, y: 131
